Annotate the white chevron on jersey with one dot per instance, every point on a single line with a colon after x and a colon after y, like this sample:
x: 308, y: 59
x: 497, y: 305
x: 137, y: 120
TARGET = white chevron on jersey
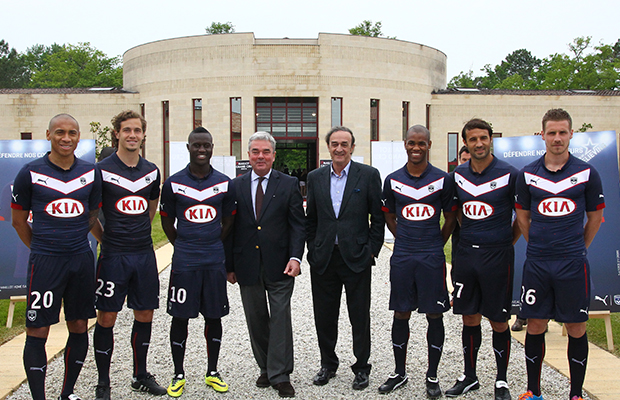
x: 557, y: 187
x: 132, y: 186
x: 414, y: 193
x: 199, y: 195
x: 479, y: 190
x: 60, y: 186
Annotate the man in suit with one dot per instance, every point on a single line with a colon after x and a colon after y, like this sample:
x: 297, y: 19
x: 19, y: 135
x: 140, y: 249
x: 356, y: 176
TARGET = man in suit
x: 342, y: 246
x: 267, y: 247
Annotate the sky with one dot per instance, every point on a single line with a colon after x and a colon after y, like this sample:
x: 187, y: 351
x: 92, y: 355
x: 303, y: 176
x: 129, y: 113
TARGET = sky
x: 472, y: 33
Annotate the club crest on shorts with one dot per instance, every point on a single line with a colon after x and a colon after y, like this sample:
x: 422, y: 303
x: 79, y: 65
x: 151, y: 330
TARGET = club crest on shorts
x: 32, y: 315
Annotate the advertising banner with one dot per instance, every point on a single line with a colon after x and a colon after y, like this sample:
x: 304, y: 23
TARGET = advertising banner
x: 599, y: 149
x: 13, y: 253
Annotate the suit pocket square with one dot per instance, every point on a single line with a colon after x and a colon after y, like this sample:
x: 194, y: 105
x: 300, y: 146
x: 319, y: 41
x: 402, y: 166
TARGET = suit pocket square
x: 357, y: 190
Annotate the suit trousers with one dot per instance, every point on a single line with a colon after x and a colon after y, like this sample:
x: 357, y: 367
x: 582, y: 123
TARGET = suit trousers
x: 270, y: 326
x: 326, y: 295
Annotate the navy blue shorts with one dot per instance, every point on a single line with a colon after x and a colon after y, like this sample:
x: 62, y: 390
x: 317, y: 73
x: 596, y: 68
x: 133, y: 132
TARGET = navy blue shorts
x: 194, y: 291
x: 54, y: 279
x: 557, y: 290
x: 419, y: 282
x: 482, y: 279
x: 133, y: 276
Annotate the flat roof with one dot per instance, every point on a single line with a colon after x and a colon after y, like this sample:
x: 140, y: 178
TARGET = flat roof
x: 515, y: 92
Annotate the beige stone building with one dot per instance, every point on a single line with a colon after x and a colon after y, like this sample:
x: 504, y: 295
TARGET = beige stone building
x: 236, y: 84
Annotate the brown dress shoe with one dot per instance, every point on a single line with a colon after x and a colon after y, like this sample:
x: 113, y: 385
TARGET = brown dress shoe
x: 263, y: 381
x: 285, y: 389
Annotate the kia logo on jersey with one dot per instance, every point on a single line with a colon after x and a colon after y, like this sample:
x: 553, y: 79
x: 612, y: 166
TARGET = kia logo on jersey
x: 556, y: 207
x: 477, y: 210
x: 200, y: 214
x: 418, y: 212
x: 132, y: 205
x: 64, y: 208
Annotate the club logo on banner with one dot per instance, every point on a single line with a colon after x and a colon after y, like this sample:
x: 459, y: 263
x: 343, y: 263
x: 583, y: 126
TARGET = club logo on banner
x: 598, y: 149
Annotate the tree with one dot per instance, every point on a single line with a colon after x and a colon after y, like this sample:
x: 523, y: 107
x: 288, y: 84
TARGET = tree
x: 218, y: 28
x: 582, y: 69
x: 366, y: 28
x: 74, y: 66
x: 13, y: 70
x: 103, y: 137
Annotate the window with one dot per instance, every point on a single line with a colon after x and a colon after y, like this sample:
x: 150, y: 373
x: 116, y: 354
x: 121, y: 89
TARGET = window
x: 142, y: 110
x: 287, y: 117
x: 197, y: 114
x: 165, y: 105
x: 374, y: 119
x: 405, y: 119
x: 336, y: 111
x: 26, y: 136
x: 235, y: 127
x: 453, y: 150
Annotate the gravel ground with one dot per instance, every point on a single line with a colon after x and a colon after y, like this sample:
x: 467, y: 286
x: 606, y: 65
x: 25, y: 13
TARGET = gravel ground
x: 239, y: 370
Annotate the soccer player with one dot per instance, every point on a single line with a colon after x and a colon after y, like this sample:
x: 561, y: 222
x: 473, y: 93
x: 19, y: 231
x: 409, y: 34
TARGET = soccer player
x: 127, y: 267
x: 63, y: 193
x: 553, y: 194
x: 413, y: 198
x: 482, y: 271
x: 202, y: 201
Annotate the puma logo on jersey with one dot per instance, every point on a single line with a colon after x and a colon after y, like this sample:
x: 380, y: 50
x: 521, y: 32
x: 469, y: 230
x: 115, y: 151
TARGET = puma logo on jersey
x: 64, y: 208
x: 200, y: 214
x: 556, y: 207
x: 477, y: 210
x: 418, y: 212
x: 14, y: 197
x: 132, y: 205
x: 583, y: 311
x: 113, y: 179
x: 418, y: 193
x: 44, y: 181
x: 557, y: 187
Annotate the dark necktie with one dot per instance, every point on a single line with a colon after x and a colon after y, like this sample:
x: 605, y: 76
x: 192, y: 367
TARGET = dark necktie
x: 259, y: 196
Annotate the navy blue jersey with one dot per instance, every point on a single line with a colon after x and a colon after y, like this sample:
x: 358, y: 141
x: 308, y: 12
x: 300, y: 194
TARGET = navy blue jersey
x: 126, y: 195
x: 417, y: 203
x: 60, y: 201
x: 198, y: 206
x: 486, y: 200
x: 557, y: 202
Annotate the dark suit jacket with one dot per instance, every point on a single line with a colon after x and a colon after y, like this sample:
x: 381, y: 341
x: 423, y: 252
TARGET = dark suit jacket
x: 278, y: 235
x: 357, y: 239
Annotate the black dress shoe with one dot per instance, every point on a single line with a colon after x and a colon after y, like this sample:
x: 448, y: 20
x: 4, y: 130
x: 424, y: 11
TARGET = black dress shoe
x: 285, y: 389
x: 361, y: 381
x: 263, y: 381
x: 323, y: 376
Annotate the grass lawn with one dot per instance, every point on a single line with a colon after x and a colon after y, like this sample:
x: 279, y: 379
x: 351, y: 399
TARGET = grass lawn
x: 19, y: 318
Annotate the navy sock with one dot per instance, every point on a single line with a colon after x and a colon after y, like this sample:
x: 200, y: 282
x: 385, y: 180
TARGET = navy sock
x: 472, y: 337
x: 501, y: 348
x: 140, y: 341
x: 400, y: 338
x: 534, y: 355
x: 577, y: 362
x: 35, y: 364
x: 178, y: 340
x: 103, y: 342
x: 213, y: 335
x: 75, y: 353
x: 434, y: 337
